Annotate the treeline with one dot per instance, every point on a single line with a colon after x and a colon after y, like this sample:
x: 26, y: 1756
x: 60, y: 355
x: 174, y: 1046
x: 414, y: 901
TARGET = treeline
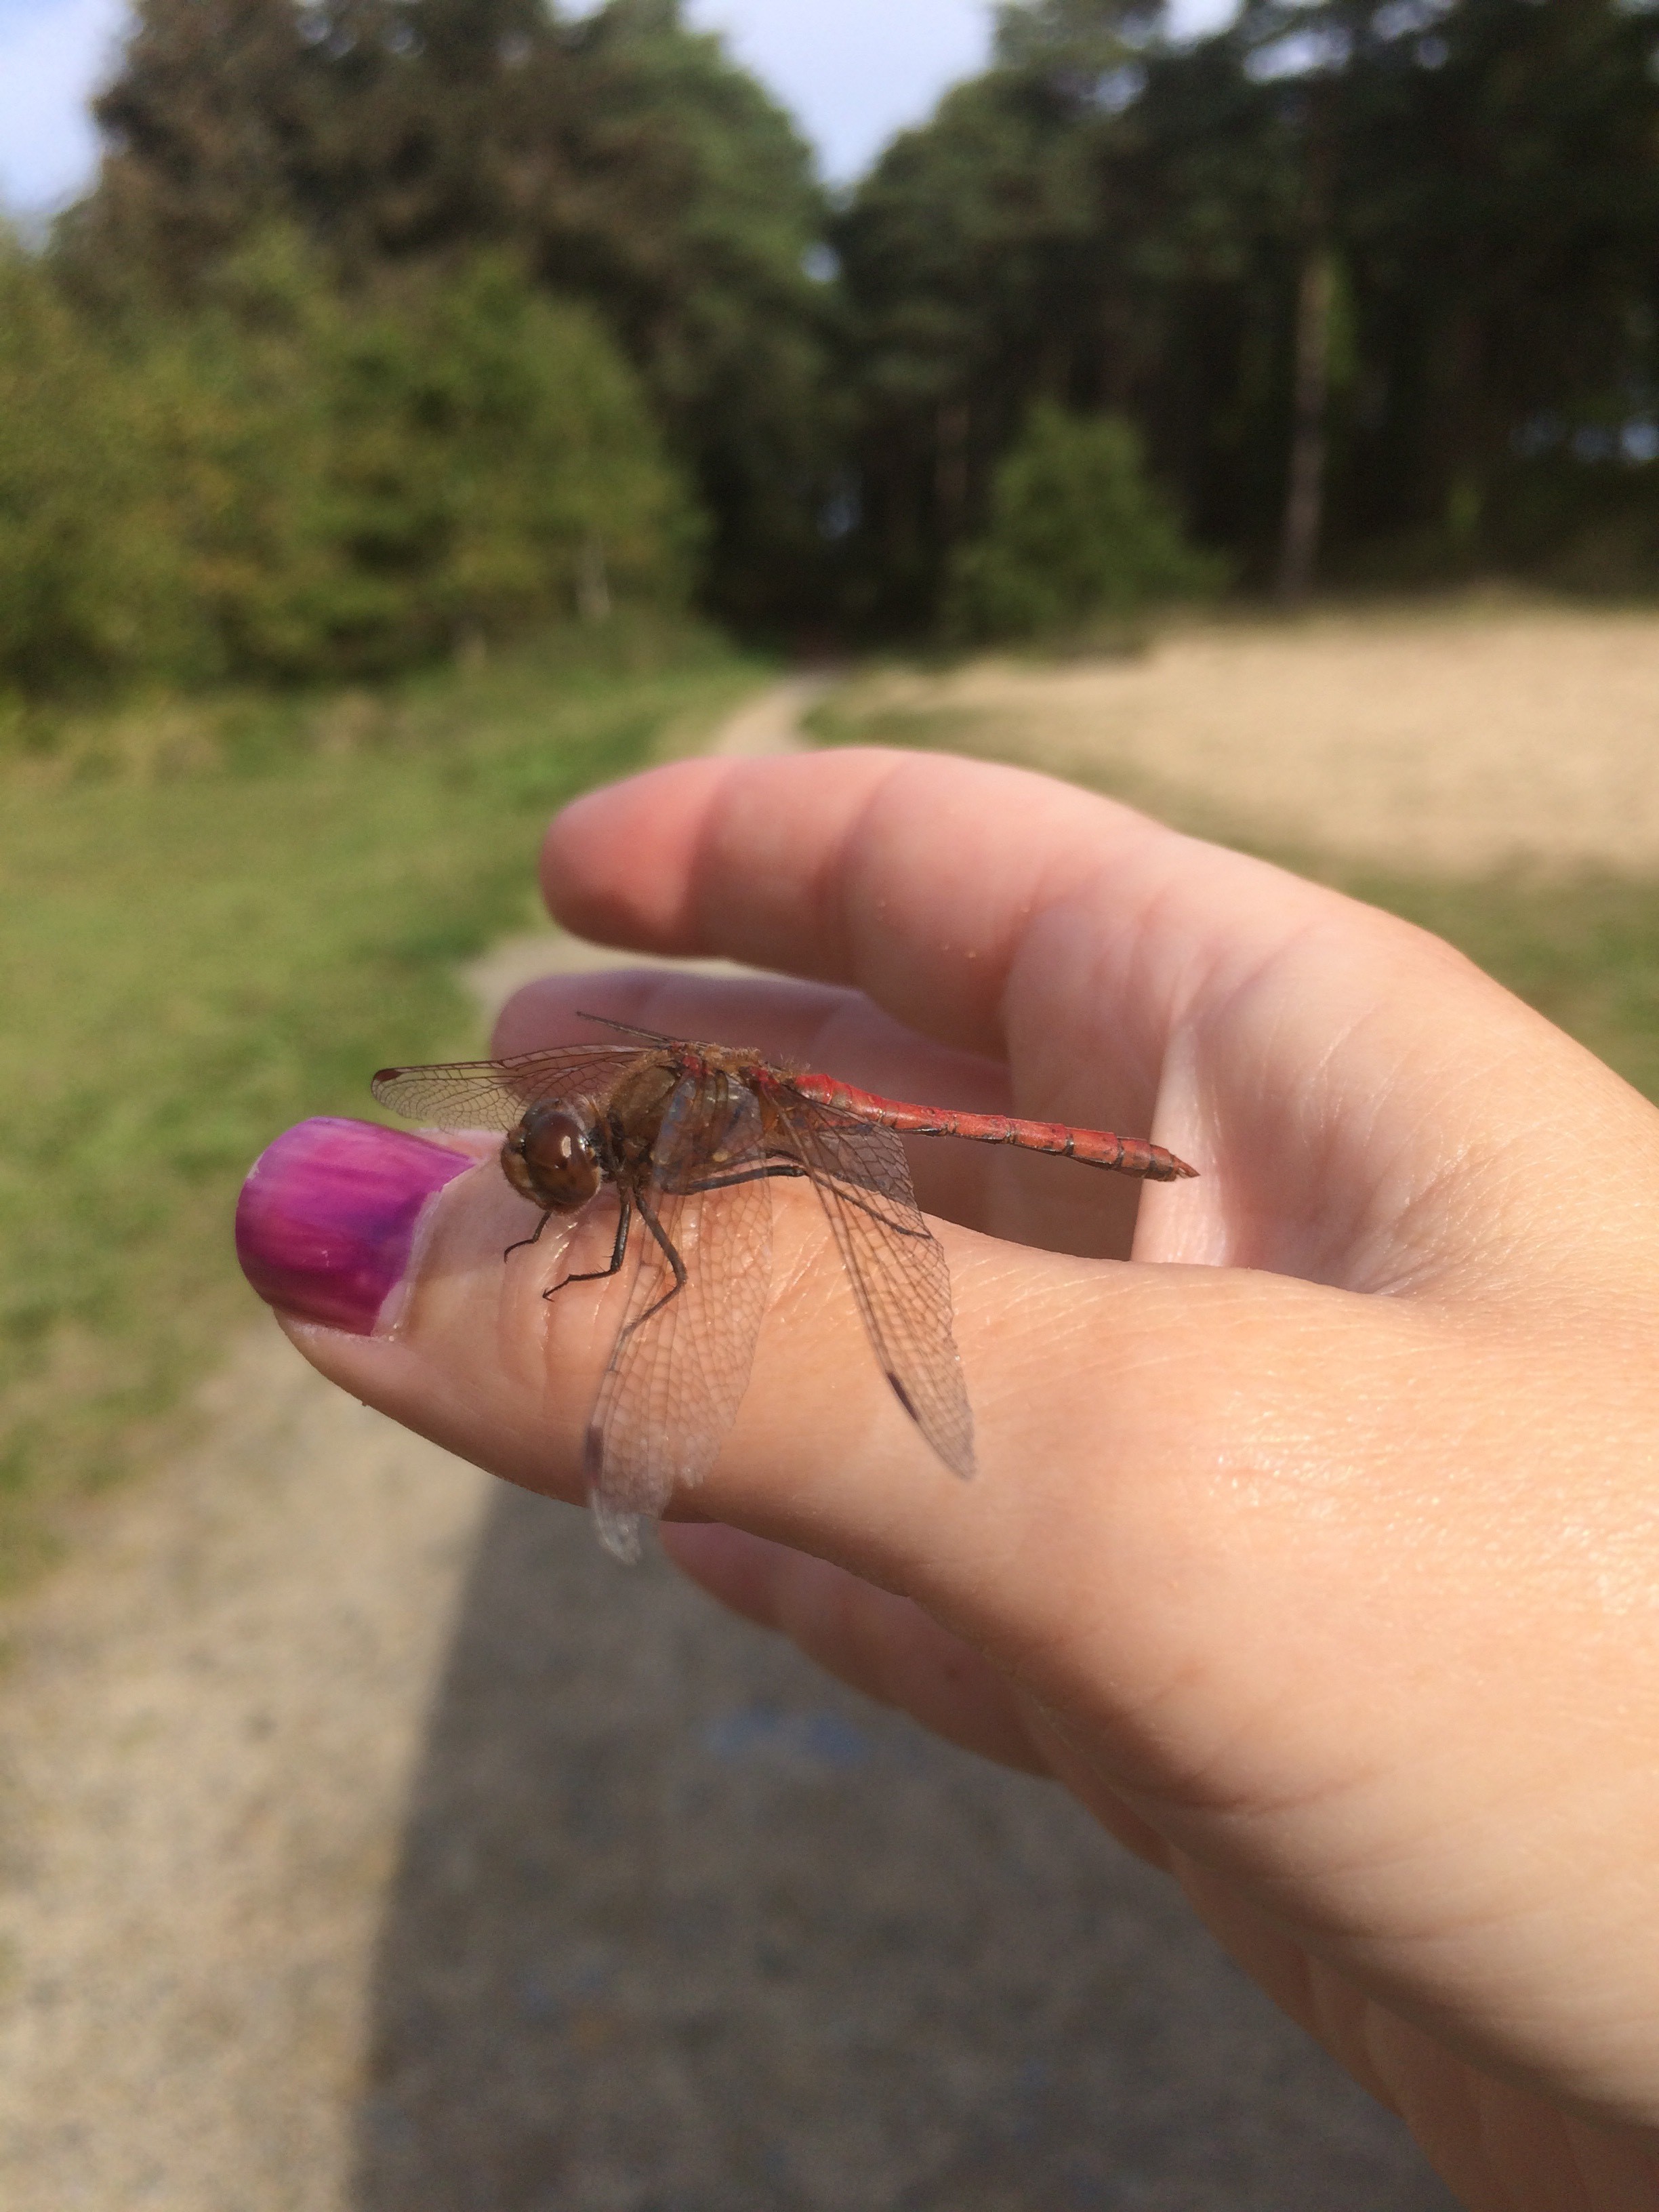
x: 388, y: 328
x: 392, y: 323
x: 286, y: 483
x: 1378, y: 283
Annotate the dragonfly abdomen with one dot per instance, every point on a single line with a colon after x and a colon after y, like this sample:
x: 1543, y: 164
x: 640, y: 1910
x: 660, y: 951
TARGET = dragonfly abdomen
x: 1095, y: 1148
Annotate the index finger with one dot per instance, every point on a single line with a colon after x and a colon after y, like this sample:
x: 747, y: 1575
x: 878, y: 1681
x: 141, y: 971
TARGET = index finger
x: 989, y: 908
x: 918, y: 880
x: 1334, y: 1073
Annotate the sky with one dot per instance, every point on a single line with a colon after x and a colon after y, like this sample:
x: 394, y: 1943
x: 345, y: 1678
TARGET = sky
x: 853, y: 71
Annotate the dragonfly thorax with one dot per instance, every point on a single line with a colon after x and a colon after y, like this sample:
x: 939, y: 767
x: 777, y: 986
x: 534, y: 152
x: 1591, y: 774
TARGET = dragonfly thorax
x: 550, y: 1158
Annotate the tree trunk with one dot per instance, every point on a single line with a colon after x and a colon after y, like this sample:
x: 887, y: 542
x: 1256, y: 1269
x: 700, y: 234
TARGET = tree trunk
x: 951, y: 469
x: 1305, y: 499
x: 593, y: 583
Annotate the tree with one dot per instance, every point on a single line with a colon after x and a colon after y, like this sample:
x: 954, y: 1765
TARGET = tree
x: 1498, y: 205
x: 688, y: 215
x: 1081, y: 47
x: 1092, y: 224
x: 973, y: 282
x: 90, y: 579
x: 1315, y: 44
x: 1370, y: 276
x: 290, y: 483
x: 625, y: 156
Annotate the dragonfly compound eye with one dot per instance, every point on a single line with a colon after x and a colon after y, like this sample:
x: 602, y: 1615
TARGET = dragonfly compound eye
x: 549, y: 1157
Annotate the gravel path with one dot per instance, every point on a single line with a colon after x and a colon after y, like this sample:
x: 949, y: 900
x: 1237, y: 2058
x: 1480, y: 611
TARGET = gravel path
x: 371, y: 1843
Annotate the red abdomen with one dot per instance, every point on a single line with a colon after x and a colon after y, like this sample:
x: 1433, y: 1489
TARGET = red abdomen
x: 1095, y: 1148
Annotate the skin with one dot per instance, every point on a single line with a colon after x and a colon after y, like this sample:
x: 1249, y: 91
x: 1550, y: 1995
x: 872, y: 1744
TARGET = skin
x: 1315, y: 1546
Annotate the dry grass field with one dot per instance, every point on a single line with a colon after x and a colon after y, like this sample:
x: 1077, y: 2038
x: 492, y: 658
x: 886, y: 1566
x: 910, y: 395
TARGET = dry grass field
x: 1487, y: 767
x: 1460, y: 740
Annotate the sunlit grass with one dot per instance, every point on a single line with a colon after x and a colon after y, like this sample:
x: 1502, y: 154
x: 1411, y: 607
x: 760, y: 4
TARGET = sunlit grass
x: 216, y: 919
x: 1583, y: 948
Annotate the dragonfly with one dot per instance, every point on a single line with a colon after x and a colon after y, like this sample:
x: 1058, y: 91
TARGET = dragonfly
x: 690, y: 1137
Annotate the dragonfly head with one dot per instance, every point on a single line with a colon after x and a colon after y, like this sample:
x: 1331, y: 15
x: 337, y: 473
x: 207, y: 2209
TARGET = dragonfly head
x: 550, y: 1158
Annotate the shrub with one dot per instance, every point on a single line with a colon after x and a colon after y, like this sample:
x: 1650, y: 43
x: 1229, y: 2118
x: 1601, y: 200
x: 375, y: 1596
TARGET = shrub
x: 91, y: 578
x: 291, y: 483
x: 495, y: 465
x: 1078, y: 540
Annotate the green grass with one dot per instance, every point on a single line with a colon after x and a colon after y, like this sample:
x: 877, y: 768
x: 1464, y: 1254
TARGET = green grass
x: 216, y: 919
x: 1583, y: 950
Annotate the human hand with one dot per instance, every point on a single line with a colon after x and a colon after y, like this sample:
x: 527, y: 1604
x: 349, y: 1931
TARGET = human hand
x: 1315, y: 1549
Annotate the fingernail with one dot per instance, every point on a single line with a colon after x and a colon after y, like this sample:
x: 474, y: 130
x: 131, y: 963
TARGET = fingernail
x: 328, y: 1218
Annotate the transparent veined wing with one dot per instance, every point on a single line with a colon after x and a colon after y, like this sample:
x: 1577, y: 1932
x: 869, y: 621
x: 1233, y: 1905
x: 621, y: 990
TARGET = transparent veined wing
x: 684, y: 1353
x: 493, y: 1094
x: 899, y: 1272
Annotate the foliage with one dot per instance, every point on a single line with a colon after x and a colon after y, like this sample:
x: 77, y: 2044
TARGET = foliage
x: 1117, y: 222
x: 1493, y: 189
x: 89, y: 584
x: 1080, y: 49
x: 216, y: 917
x: 477, y: 462
x: 1078, y: 539
x: 693, y: 233
x: 622, y: 157
x: 1108, y: 219
x: 1091, y: 237
x: 289, y: 482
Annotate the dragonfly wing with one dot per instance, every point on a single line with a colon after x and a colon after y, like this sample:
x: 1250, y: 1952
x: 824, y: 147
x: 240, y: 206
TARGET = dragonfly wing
x: 493, y: 1094
x: 897, y: 1267
x: 683, y: 1356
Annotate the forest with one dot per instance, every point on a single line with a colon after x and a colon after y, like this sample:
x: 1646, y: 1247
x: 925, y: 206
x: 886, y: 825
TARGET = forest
x: 390, y: 328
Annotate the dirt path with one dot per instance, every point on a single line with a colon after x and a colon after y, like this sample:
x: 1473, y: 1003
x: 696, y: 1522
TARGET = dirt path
x: 1458, y: 741
x: 198, y: 1829
x: 210, y: 1734
x: 371, y: 1844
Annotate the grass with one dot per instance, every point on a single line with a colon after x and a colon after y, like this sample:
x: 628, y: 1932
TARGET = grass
x: 1583, y: 948
x: 216, y: 919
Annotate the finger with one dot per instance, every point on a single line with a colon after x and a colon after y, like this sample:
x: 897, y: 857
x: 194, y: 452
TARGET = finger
x: 1095, y: 1388
x: 880, y: 1645
x: 465, y: 1348
x: 918, y: 880
x: 1270, y: 1032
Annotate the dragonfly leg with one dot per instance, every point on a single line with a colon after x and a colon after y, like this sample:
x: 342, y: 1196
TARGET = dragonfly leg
x: 793, y: 1168
x: 534, y: 1236
x: 674, y: 1260
x: 597, y: 1274
x: 726, y: 1182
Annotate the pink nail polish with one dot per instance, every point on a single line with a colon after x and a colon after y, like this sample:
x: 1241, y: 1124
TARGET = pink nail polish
x: 327, y: 1219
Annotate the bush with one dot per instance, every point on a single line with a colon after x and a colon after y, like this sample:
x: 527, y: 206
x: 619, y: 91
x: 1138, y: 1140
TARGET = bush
x: 290, y: 482
x: 91, y: 577
x: 1078, y: 540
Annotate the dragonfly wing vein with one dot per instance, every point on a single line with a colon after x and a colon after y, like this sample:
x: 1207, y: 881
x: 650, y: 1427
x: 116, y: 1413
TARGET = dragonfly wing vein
x: 899, y: 1272
x: 493, y: 1094
x: 683, y: 1356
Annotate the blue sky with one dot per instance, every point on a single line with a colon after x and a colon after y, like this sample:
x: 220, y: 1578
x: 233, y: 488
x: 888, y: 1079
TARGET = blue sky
x: 853, y: 71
